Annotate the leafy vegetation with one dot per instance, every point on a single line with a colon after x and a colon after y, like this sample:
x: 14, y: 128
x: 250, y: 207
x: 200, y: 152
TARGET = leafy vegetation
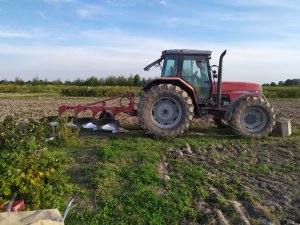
x: 282, y: 92
x: 92, y: 81
x: 98, y: 91
x: 64, y: 90
x: 109, y: 91
x: 31, y: 167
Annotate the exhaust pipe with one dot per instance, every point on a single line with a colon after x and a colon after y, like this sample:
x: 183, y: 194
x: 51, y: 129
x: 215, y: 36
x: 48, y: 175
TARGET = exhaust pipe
x: 220, y: 69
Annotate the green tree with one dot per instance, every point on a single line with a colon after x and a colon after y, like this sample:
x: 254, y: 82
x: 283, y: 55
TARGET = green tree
x: 37, y: 81
x: 121, y: 81
x: 130, y: 81
x: 292, y: 82
x: 280, y: 83
x: 78, y: 82
x: 19, y: 81
x: 92, y: 81
x: 57, y: 82
x: 136, y: 80
x: 111, y: 81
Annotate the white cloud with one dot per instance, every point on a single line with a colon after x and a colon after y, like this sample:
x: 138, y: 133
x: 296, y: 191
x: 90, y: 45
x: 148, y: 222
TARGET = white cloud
x: 271, y: 3
x: 58, y: 2
x: 163, y: 2
x: 179, y: 21
x: 6, y: 32
x: 89, y: 11
x: 42, y: 15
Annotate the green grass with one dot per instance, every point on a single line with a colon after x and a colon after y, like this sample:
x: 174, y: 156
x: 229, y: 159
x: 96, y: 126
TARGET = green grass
x: 126, y: 187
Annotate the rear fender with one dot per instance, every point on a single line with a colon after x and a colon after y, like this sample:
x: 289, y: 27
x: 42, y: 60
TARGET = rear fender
x: 232, y: 105
x: 180, y: 83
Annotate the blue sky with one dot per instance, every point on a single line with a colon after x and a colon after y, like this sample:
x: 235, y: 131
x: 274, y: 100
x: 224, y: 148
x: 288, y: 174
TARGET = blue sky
x: 69, y: 39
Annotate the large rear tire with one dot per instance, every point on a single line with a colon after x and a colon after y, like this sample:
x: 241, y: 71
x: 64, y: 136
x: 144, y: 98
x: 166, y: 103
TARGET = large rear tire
x: 165, y: 111
x: 253, y: 118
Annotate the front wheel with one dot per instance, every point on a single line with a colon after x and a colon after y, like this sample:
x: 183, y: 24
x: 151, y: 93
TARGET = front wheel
x: 253, y: 118
x: 165, y: 111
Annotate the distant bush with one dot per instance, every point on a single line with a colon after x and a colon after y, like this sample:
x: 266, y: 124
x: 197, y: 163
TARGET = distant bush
x: 105, y: 91
x: 92, y: 81
x: 70, y: 90
x: 26, y: 88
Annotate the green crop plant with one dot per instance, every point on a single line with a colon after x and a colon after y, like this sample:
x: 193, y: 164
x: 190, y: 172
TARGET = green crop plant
x: 30, y: 167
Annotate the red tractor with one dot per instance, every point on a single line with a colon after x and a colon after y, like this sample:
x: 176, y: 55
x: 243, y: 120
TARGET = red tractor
x: 187, y: 89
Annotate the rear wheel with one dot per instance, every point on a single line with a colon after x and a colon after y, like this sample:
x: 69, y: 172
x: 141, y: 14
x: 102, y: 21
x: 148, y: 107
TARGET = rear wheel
x: 165, y: 110
x: 253, y: 117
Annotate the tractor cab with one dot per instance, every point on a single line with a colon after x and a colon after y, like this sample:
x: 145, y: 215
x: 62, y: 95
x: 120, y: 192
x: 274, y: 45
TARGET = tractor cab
x: 190, y: 65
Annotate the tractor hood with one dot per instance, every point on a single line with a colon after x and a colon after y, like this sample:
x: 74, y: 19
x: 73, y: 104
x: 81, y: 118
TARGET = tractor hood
x: 235, y: 89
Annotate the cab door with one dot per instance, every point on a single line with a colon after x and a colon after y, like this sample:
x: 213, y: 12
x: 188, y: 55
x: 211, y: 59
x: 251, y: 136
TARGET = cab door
x: 195, y: 72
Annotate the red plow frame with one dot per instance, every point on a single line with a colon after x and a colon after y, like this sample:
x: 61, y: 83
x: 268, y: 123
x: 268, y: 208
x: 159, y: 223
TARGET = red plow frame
x: 101, y: 106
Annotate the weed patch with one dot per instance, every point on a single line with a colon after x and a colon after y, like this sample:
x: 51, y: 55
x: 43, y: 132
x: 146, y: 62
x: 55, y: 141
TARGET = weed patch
x: 29, y: 167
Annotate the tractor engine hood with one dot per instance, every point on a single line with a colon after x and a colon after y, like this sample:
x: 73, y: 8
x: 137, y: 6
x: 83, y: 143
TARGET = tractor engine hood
x: 235, y: 89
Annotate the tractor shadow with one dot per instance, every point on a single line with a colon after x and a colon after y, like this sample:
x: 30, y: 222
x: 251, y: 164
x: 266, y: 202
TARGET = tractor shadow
x: 195, y: 131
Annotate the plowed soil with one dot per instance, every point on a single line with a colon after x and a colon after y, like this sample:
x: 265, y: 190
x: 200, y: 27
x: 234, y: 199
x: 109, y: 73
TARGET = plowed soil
x: 37, y: 107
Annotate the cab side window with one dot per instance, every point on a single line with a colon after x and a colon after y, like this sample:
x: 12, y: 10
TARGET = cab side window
x: 170, y: 66
x: 195, y: 72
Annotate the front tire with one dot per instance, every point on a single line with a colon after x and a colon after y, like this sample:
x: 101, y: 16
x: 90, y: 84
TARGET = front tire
x: 253, y: 118
x: 165, y: 111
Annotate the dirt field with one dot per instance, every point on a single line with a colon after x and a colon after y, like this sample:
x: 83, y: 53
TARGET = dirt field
x: 37, y: 107
x: 248, y: 181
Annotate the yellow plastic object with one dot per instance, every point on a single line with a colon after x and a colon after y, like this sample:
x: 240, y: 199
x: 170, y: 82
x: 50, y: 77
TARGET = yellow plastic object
x: 37, y: 217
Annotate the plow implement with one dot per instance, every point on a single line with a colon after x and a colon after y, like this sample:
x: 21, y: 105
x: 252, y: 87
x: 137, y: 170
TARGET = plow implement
x: 103, y: 113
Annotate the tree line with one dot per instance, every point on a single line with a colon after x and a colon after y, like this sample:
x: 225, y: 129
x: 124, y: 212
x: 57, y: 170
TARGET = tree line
x: 93, y: 81
x: 288, y: 82
x: 135, y: 80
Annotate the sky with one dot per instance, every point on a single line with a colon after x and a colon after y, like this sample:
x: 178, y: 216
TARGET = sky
x: 69, y: 39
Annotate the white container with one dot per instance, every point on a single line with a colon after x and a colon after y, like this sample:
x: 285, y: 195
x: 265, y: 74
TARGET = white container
x: 283, y: 127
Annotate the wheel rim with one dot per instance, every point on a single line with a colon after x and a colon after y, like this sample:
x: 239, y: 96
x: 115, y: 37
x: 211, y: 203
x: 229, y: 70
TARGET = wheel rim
x: 166, y: 113
x: 254, y: 119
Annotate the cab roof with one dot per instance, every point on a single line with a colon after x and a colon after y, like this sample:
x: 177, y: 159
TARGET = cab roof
x: 187, y: 52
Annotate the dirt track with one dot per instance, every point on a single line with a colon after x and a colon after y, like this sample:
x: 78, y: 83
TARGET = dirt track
x: 268, y: 181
